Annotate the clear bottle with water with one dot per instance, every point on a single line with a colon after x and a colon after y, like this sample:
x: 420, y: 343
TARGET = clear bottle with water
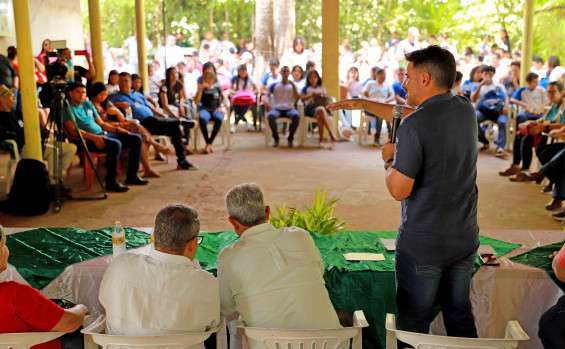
x: 153, y: 238
x: 129, y: 114
x: 118, y: 239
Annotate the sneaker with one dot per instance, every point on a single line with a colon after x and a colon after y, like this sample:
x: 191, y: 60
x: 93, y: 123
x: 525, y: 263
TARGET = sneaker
x: 500, y: 153
x: 560, y: 216
x: 276, y: 143
x: 547, y: 189
x: 187, y: 165
x: 232, y: 128
x: 249, y: 127
x: 290, y: 144
x: 116, y: 187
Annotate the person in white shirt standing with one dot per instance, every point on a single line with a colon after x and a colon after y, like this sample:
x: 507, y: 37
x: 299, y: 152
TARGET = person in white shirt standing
x: 409, y: 44
x: 272, y: 277
x: 378, y: 90
x: 163, y: 292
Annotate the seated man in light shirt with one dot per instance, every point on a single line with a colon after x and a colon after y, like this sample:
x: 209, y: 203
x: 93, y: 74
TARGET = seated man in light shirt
x: 272, y: 277
x: 162, y: 293
x: 284, y: 94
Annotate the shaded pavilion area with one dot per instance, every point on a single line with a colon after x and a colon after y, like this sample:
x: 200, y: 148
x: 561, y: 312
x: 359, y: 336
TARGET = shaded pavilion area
x: 352, y: 173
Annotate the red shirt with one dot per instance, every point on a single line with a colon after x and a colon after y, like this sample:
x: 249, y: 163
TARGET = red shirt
x: 24, y: 309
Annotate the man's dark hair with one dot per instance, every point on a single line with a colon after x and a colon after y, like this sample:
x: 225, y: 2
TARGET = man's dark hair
x: 310, y: 64
x: 516, y: 63
x: 206, y: 46
x: 437, y: 62
x: 73, y: 86
x: 376, y: 70
x: 480, y: 57
x: 531, y: 76
x: 274, y: 62
x: 433, y: 36
x: 537, y: 59
x: 557, y: 84
x: 125, y: 74
x: 488, y: 68
x: 313, y: 72
x: 458, y: 76
x: 496, y: 54
x: 175, y: 226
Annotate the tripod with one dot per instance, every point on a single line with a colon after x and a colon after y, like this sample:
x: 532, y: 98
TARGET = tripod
x: 55, y: 121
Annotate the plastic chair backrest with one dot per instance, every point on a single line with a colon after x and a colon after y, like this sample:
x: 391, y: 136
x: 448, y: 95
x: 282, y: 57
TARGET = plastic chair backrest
x: 173, y: 341
x: 307, y: 339
x: 26, y: 340
x: 514, y: 334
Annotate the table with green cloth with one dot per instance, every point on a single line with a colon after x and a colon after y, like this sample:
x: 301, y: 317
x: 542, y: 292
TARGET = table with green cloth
x: 352, y: 285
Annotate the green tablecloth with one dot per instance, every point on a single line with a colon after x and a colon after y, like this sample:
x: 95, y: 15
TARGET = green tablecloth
x: 367, y: 286
x: 539, y: 258
x: 40, y: 255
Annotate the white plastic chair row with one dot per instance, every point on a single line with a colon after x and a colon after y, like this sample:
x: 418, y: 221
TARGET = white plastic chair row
x: 514, y: 334
x: 271, y: 338
x: 97, y: 331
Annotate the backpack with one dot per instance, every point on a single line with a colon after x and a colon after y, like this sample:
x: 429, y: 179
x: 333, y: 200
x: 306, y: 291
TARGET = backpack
x: 29, y: 195
x: 492, y: 103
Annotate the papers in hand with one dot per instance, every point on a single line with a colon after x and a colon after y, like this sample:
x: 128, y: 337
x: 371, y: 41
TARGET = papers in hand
x: 486, y: 249
x: 364, y: 257
x: 389, y: 244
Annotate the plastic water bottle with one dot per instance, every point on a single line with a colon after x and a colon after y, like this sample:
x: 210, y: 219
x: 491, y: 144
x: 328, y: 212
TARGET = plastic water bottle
x: 118, y: 239
x: 153, y: 238
x: 129, y: 114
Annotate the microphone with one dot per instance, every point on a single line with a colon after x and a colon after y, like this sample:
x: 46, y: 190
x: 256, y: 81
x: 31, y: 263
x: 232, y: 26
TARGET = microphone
x: 397, y: 112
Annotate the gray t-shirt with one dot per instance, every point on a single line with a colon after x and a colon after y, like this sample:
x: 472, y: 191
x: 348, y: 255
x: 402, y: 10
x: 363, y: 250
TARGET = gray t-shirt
x: 437, y: 147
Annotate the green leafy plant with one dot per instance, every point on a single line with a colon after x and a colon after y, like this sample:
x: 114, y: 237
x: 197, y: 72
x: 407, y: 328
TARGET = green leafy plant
x: 316, y: 218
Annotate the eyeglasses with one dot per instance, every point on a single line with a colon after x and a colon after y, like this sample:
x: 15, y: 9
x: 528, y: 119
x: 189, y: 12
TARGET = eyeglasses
x: 199, y: 238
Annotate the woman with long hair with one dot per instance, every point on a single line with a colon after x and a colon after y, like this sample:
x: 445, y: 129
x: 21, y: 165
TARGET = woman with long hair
x: 109, y: 113
x: 210, y: 96
x: 316, y: 97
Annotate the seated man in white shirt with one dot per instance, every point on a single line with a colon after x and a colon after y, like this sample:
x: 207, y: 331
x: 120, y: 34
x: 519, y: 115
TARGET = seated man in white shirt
x: 284, y: 94
x: 272, y: 277
x: 162, y: 293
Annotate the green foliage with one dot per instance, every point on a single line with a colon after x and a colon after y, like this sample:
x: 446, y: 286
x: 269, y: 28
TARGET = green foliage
x: 317, y: 218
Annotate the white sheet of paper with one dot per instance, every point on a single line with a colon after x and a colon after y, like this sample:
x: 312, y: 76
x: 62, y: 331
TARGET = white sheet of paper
x: 364, y: 256
x: 486, y: 249
x: 389, y: 244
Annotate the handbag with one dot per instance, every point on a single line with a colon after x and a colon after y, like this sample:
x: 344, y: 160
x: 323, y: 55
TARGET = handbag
x: 243, y: 98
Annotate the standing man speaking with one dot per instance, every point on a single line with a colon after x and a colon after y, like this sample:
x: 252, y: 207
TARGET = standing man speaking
x: 432, y: 169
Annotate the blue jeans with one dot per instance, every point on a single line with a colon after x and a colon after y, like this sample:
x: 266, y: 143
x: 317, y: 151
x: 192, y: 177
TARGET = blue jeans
x: 523, y: 116
x: 552, y: 326
x: 417, y: 286
x: 501, y: 121
x: 283, y: 112
x: 205, y: 116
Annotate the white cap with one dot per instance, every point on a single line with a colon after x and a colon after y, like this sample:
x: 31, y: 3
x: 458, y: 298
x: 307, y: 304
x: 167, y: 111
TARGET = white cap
x: 414, y: 31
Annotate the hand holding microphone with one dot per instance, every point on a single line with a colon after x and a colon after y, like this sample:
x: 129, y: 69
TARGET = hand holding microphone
x: 388, y: 154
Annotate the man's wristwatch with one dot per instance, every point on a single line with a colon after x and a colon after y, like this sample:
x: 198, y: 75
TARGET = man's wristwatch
x: 387, y: 163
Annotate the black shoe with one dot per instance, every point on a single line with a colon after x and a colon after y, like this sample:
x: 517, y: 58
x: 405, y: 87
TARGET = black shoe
x: 136, y: 181
x: 186, y: 165
x: 276, y: 143
x: 117, y: 187
x: 548, y: 188
x: 290, y: 144
x: 560, y: 216
x: 187, y: 123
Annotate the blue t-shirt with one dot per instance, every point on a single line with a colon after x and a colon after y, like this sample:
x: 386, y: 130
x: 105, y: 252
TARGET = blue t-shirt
x: 140, y: 107
x: 398, y: 90
x: 437, y: 147
x: 84, y: 115
x: 552, y: 113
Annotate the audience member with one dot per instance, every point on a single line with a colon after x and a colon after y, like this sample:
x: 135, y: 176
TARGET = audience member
x: 409, y: 44
x: 77, y: 73
x: 316, y: 97
x: 163, y: 292
x: 92, y: 127
x: 210, y: 97
x: 512, y: 82
x: 25, y: 309
x: 399, y: 93
x: 495, y: 100
x: 299, y: 77
x: 113, y: 78
x: 137, y: 86
x: 8, y: 75
x: 129, y: 50
x: 378, y: 90
x: 457, y: 89
x: 552, y: 322
x: 213, y: 44
x: 242, y: 91
x: 152, y: 119
x: 284, y: 94
x: 554, y: 68
x: 298, y: 55
x: 273, y: 278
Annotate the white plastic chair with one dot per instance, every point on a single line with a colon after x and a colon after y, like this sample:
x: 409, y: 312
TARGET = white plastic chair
x: 306, y: 339
x: 97, y: 331
x: 26, y: 340
x: 14, y: 159
x: 514, y: 334
x: 224, y: 131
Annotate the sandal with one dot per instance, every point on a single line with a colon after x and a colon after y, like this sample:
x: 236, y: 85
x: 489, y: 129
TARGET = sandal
x: 485, y: 147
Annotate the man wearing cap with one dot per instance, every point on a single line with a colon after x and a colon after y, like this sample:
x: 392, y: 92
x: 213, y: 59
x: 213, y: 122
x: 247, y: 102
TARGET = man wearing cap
x: 409, y: 44
x: 12, y: 127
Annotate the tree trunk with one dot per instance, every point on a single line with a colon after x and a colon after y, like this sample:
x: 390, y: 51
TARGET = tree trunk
x: 264, y: 36
x: 284, y: 19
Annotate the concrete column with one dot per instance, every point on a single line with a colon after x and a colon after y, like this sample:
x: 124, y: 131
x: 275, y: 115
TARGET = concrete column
x: 527, y: 40
x: 96, y: 39
x: 140, y: 35
x: 330, y: 49
x: 27, y: 81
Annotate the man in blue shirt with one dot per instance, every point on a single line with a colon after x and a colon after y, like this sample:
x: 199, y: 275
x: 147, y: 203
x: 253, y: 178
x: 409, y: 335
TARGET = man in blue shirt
x: 432, y: 168
x: 92, y: 127
x: 151, y: 118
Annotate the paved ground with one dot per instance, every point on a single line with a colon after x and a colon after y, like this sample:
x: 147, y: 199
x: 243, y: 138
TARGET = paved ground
x: 351, y: 173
